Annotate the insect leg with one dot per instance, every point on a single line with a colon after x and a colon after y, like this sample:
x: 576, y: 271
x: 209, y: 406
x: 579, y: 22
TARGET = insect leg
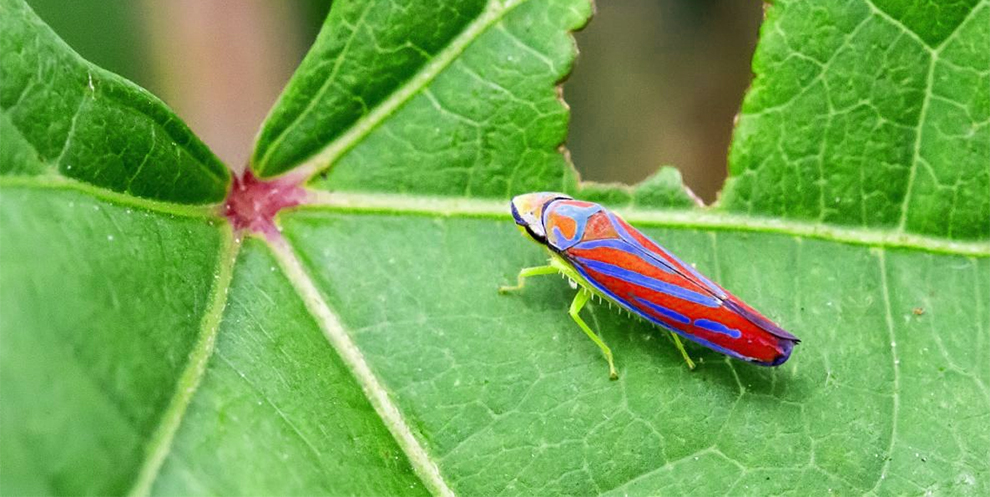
x: 680, y: 346
x: 579, y: 300
x: 526, y: 273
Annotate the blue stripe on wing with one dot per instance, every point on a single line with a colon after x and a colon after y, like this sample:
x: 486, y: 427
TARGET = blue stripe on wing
x: 715, y: 326
x: 663, y: 311
x: 639, y: 312
x: 648, y: 282
x: 618, y: 244
x: 701, y: 280
x: 698, y: 279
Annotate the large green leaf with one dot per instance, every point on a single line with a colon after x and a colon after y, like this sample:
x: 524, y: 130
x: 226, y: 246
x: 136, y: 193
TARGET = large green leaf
x: 146, y: 347
x: 466, y: 107
x: 869, y: 114
x: 64, y: 117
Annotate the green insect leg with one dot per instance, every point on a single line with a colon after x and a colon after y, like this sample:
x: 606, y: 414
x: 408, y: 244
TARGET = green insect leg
x: 526, y: 273
x: 579, y: 300
x: 680, y: 346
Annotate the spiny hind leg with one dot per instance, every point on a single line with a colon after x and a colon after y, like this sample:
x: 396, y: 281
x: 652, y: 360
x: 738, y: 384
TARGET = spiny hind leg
x: 579, y: 300
x: 680, y: 346
x: 526, y: 273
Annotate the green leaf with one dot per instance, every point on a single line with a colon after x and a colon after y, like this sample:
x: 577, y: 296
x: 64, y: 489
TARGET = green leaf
x: 149, y: 348
x: 68, y: 118
x: 277, y: 412
x: 869, y: 114
x: 663, y: 189
x: 510, y: 396
x: 464, y: 106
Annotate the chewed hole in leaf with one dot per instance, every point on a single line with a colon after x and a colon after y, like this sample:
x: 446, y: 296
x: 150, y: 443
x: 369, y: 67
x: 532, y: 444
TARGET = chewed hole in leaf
x: 660, y: 83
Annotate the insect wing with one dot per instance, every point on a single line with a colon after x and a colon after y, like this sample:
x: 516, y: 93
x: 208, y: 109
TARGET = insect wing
x: 644, y: 278
x: 664, y: 256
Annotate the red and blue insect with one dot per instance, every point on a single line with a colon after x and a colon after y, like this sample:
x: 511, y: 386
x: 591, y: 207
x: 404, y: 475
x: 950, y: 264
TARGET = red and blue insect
x: 610, y: 259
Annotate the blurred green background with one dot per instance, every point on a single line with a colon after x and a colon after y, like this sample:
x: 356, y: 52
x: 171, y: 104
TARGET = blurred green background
x: 657, y: 82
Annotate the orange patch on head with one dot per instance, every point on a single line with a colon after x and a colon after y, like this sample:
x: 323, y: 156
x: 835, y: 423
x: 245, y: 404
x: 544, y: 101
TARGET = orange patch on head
x: 566, y: 225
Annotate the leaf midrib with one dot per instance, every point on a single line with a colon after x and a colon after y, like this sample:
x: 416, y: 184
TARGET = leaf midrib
x: 700, y: 219
x: 430, y: 206
x: 389, y: 414
x: 59, y: 182
x: 186, y: 387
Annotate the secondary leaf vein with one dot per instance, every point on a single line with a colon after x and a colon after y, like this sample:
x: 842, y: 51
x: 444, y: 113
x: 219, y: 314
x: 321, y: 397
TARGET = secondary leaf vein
x: 895, y: 403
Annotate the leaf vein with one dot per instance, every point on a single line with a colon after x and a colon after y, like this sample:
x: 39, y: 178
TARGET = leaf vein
x: 877, y: 11
x: 916, y: 155
x: 710, y: 219
x: 422, y: 462
x: 161, y: 441
x: 325, y: 158
x: 281, y: 415
x: 56, y: 182
x: 969, y: 15
x: 323, y: 89
x: 896, y: 388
